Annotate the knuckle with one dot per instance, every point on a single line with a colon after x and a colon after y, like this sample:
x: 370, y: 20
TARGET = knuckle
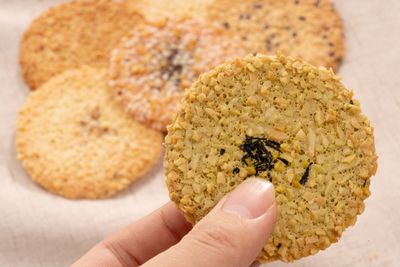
x: 122, y: 256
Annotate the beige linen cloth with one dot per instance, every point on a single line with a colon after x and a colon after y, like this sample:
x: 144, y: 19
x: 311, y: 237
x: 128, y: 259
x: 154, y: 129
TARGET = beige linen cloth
x: 40, y: 229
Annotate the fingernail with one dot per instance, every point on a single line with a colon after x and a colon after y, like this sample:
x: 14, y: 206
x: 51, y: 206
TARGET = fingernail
x: 250, y: 199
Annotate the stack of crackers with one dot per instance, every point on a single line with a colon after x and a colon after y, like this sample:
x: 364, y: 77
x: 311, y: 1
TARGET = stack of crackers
x: 107, y: 76
x: 110, y: 77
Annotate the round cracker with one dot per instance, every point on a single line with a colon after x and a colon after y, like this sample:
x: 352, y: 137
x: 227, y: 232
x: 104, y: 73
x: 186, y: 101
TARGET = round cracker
x: 154, y: 64
x: 75, y: 143
x: 287, y: 122
x: 66, y: 36
x: 308, y: 29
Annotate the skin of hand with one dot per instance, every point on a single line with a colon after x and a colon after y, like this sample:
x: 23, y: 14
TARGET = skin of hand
x: 232, y: 234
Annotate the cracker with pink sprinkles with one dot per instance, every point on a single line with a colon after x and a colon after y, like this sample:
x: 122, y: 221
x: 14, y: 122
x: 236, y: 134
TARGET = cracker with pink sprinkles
x: 153, y: 65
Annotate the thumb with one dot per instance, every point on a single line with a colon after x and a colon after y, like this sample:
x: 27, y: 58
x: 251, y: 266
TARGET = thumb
x: 232, y: 234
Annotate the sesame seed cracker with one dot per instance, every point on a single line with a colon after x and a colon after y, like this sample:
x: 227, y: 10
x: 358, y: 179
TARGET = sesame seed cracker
x: 307, y: 29
x: 153, y: 65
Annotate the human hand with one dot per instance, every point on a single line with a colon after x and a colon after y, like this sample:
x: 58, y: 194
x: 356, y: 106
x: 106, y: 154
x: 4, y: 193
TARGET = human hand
x: 232, y: 234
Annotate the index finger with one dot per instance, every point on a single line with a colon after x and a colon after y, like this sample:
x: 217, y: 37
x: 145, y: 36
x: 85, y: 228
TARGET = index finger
x: 140, y: 241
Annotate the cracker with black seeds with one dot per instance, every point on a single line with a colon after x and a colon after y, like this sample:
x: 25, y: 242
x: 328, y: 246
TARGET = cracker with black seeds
x: 74, y: 142
x: 285, y: 121
x: 68, y: 35
x: 308, y: 29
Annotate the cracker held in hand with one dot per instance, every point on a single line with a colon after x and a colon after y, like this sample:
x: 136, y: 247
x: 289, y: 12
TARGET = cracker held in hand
x: 287, y: 122
x: 309, y: 29
x: 154, y: 64
x: 75, y: 143
x: 72, y: 34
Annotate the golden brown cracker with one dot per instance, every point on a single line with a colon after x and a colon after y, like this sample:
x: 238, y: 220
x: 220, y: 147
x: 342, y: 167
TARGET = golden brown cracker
x: 284, y: 121
x: 74, y: 142
x: 308, y: 29
x: 66, y: 36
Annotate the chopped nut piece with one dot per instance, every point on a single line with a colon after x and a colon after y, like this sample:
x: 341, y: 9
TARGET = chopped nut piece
x: 349, y: 159
x: 250, y: 67
x: 300, y: 135
x: 311, y: 138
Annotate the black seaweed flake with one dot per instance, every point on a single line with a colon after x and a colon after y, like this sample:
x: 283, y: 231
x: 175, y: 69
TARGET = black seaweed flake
x: 226, y: 25
x: 236, y: 170
x: 273, y: 144
x: 244, y: 16
x: 222, y: 151
x: 257, y: 154
x: 351, y: 101
x: 268, y: 44
x: 304, y: 178
x: 257, y: 6
x: 171, y: 68
x: 365, y: 183
x: 178, y: 81
x: 284, y: 161
x: 269, y: 177
x: 279, y: 246
x: 269, y: 143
